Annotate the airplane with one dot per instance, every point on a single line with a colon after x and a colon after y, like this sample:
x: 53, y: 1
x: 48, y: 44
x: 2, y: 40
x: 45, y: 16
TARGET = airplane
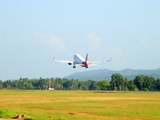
x: 80, y: 61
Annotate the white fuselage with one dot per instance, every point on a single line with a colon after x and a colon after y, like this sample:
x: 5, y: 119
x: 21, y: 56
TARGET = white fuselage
x: 78, y: 59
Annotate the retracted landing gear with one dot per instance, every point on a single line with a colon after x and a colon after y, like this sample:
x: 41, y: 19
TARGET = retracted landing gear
x: 74, y: 66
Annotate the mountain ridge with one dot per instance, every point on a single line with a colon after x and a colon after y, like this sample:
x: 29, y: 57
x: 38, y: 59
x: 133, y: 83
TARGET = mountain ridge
x: 105, y: 74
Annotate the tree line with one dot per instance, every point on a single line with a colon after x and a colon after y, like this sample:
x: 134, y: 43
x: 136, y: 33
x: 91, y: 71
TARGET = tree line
x: 118, y: 82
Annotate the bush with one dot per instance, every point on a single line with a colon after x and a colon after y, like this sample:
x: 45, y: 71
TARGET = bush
x: 146, y: 89
x: 132, y: 87
x: 6, y: 114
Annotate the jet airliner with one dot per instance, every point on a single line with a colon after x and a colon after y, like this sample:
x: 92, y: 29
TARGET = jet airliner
x: 80, y: 61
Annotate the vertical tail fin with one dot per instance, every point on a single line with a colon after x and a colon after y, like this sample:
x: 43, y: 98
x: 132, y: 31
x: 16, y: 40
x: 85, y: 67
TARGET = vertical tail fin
x: 86, y: 58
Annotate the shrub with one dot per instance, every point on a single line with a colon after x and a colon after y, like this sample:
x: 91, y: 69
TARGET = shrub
x: 6, y: 114
x: 146, y: 89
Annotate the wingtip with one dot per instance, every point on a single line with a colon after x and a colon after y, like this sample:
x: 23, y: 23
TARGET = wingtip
x: 109, y: 59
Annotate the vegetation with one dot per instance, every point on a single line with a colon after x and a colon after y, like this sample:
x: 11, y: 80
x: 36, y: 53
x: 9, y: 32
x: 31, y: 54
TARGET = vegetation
x: 6, y: 114
x: 118, y: 82
x: 81, y: 105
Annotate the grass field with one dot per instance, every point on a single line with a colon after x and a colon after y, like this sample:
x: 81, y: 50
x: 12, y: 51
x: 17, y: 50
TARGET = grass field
x: 80, y: 105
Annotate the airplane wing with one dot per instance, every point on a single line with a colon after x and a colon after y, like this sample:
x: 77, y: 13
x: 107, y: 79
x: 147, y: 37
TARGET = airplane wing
x: 92, y: 64
x: 99, y: 61
x: 63, y: 61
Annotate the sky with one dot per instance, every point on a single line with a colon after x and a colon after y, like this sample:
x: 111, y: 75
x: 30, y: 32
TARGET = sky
x: 33, y: 32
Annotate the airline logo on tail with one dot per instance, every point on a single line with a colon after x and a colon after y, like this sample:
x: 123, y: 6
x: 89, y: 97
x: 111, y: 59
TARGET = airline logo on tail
x: 80, y: 61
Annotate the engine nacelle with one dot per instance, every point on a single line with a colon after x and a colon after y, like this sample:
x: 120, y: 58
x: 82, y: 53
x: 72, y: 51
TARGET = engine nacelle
x: 69, y: 63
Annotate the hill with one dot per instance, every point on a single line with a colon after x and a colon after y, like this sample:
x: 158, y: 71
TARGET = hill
x: 105, y: 74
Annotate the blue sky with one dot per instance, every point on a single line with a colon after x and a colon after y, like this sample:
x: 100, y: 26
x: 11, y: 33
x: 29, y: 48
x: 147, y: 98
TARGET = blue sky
x: 33, y: 32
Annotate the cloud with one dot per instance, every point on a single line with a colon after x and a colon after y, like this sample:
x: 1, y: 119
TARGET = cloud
x: 145, y: 43
x: 93, y: 40
x: 51, y: 40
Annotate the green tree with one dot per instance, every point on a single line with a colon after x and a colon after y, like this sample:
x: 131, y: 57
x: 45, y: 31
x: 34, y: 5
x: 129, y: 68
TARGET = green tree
x: 42, y: 84
x: 126, y: 82
x: 80, y: 84
x: 69, y: 84
x: 117, y: 81
x: 146, y: 89
x: 132, y: 87
x: 103, y: 85
x: 158, y: 84
x: 149, y: 82
x: 60, y: 81
x: 57, y: 86
x: 93, y: 85
x: 7, y: 84
x: 29, y: 86
x: 1, y: 84
x: 139, y: 82
x: 15, y: 84
x: 84, y: 85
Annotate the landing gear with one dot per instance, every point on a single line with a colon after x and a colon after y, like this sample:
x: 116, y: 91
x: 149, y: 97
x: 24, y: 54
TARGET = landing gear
x: 74, y: 66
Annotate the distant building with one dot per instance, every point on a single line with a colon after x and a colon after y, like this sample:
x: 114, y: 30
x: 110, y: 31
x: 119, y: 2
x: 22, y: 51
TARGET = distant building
x: 50, y: 88
x: 50, y: 84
